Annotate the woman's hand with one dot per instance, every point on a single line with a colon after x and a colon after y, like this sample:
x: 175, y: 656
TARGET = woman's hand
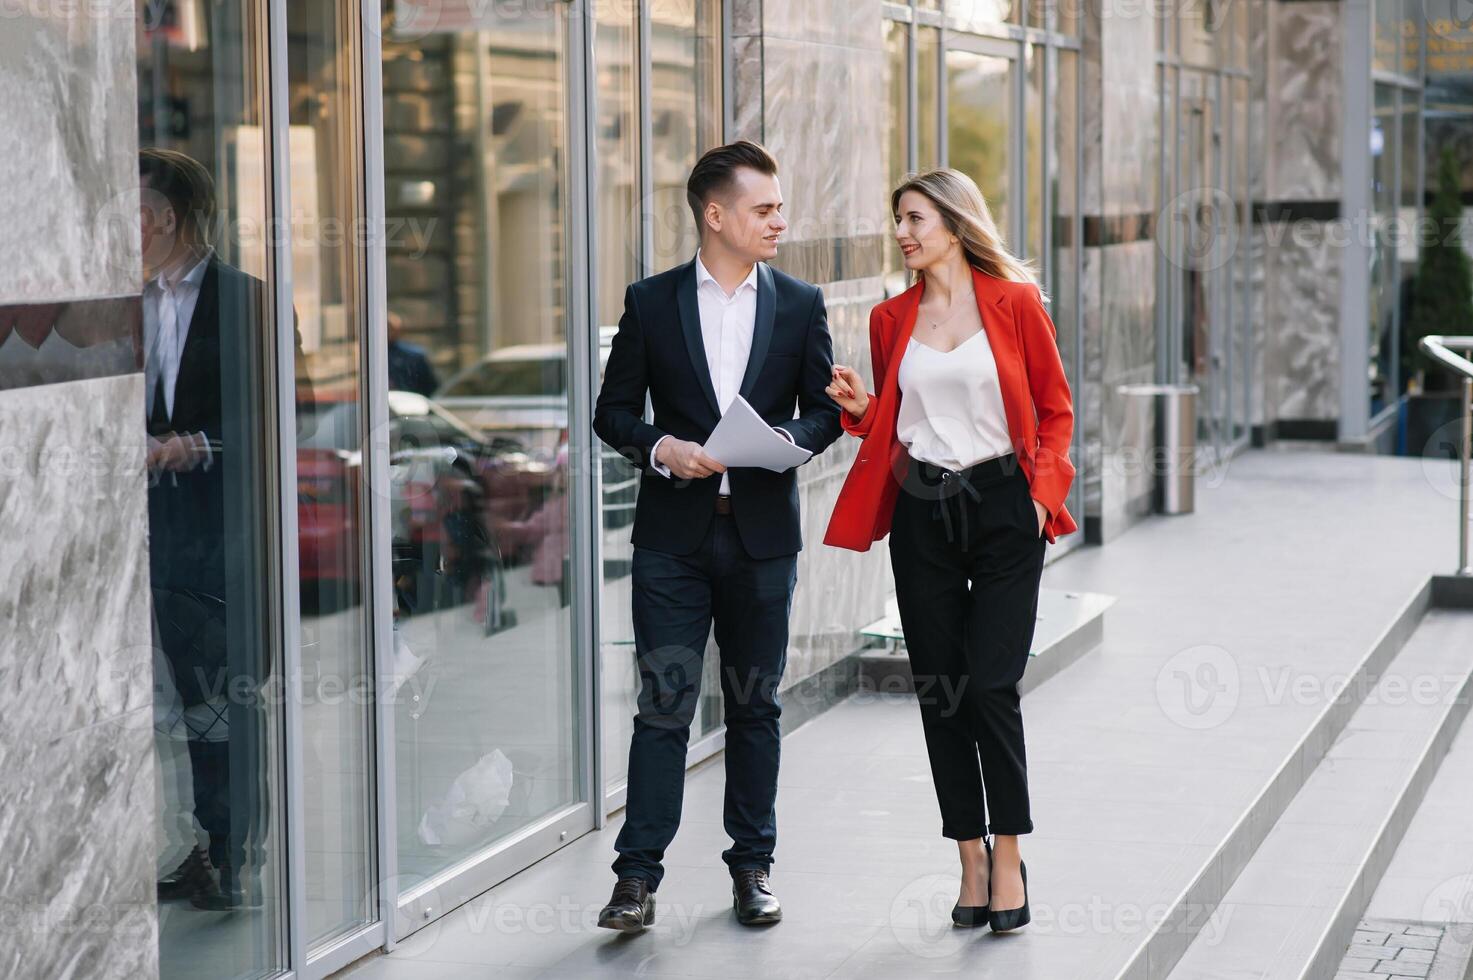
x: 846, y: 388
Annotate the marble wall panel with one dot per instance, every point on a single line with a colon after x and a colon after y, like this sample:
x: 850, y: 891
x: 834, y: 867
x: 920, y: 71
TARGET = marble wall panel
x: 849, y: 23
x: 1303, y: 84
x: 68, y: 153
x: 76, y: 683
x: 1301, y: 349
x: 823, y: 112
x: 1128, y: 113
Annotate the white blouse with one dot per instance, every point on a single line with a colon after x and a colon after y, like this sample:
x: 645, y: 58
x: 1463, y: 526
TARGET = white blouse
x: 951, y: 408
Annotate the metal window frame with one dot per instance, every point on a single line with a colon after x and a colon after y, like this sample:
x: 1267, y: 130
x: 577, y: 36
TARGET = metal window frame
x: 1356, y: 84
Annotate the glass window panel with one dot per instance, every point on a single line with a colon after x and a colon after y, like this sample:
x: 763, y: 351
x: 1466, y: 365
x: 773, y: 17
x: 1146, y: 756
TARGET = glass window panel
x: 1404, y: 355
x: 210, y: 378
x: 686, y: 119
x: 928, y: 104
x: 978, y: 15
x: 1383, y: 278
x: 326, y: 195
x: 1387, y: 33
x: 979, y: 94
x: 897, y: 41
x: 685, y: 82
x: 1063, y: 189
x: 1412, y: 26
x: 1195, y: 22
x: 1033, y: 163
x: 486, y: 687
x: 1240, y: 270
x: 1067, y: 15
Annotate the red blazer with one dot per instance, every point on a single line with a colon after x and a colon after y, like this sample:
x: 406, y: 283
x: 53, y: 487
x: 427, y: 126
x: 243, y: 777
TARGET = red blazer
x: 1035, y: 396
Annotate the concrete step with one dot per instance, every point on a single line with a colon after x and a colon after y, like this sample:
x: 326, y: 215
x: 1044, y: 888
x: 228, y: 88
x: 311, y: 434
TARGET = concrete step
x: 1173, y: 926
x: 1069, y: 625
x: 1291, y: 911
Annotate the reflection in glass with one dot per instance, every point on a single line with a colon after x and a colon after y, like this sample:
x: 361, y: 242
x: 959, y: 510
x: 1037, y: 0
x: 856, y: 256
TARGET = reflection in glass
x: 1240, y: 324
x: 485, y: 683
x: 617, y: 191
x: 897, y: 142
x: 979, y: 125
x: 978, y: 15
x: 1062, y: 184
x: 206, y: 328
x: 928, y: 101
x: 1033, y: 153
x: 685, y: 79
x: 326, y: 293
x: 1384, y: 53
x: 1198, y: 32
x: 1384, y: 274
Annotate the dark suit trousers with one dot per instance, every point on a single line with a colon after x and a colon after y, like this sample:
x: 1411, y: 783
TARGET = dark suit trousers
x: 968, y: 557
x: 676, y: 599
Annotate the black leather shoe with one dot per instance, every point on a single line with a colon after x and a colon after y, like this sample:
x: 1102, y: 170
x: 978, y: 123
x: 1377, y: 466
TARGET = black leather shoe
x: 233, y: 892
x: 969, y: 916
x: 631, y: 909
x: 1003, y: 920
x: 193, y: 875
x: 752, y: 898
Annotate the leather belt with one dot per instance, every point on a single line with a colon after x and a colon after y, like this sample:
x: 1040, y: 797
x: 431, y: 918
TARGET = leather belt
x: 723, y: 503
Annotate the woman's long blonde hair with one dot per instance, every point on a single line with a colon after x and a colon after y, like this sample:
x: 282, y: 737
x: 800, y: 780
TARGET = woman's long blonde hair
x: 966, y: 215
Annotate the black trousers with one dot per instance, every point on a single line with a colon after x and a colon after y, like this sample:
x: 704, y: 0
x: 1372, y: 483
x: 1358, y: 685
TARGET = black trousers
x: 968, y: 557
x: 676, y: 599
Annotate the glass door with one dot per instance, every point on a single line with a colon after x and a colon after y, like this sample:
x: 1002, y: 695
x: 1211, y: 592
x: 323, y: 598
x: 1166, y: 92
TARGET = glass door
x: 335, y: 729
x: 209, y: 421
x: 983, y: 105
x: 487, y: 681
x: 1198, y: 220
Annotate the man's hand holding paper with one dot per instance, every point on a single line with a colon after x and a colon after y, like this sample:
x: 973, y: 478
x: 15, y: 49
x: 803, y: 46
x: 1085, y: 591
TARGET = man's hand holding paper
x: 742, y: 438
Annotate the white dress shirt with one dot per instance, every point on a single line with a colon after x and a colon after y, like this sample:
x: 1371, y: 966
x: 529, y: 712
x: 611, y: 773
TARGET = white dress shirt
x: 951, y: 408
x: 168, y: 309
x: 727, y: 323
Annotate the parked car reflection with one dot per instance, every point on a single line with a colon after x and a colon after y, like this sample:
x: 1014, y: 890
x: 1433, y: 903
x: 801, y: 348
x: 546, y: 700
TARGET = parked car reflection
x: 520, y: 393
x: 459, y: 506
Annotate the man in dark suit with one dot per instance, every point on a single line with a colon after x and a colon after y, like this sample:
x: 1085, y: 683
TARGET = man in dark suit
x: 204, y: 365
x: 409, y: 366
x: 712, y: 545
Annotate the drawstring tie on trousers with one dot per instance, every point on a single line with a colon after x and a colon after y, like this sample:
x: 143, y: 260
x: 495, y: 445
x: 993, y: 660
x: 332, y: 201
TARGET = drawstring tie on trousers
x: 950, y: 482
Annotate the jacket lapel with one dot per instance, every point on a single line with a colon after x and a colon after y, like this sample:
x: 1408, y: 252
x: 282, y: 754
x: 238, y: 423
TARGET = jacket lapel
x: 1002, y: 337
x: 761, y: 328
x: 905, y: 320
x: 690, y: 325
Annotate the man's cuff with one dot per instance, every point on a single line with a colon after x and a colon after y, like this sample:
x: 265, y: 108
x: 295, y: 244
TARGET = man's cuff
x: 659, y: 467
x: 785, y: 434
x: 203, y: 441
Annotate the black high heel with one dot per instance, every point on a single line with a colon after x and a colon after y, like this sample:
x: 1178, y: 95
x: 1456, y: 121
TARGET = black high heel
x: 968, y: 916
x: 1003, y: 920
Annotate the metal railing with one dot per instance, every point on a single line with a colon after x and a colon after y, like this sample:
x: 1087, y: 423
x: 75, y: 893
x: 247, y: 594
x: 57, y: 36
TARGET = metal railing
x: 1443, y: 351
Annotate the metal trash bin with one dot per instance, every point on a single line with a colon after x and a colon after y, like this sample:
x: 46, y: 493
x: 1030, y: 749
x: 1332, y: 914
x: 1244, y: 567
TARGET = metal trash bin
x: 1174, y: 444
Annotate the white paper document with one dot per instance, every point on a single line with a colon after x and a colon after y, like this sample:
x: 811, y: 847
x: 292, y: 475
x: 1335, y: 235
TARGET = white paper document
x: 742, y: 438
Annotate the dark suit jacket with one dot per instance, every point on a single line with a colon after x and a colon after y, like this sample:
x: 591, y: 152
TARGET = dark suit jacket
x: 206, y: 526
x: 658, y: 349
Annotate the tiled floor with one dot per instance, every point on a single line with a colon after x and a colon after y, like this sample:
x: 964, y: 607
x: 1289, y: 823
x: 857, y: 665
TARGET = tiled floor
x: 1141, y: 757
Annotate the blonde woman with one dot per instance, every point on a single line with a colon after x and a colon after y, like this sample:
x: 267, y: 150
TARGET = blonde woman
x: 965, y: 464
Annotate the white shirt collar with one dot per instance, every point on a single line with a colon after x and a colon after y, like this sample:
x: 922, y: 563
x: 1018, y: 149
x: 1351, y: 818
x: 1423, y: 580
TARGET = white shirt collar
x: 193, y: 277
x: 703, y: 276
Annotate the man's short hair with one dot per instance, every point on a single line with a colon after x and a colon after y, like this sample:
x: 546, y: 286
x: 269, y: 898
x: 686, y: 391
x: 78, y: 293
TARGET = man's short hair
x: 715, y: 172
x: 185, y: 184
